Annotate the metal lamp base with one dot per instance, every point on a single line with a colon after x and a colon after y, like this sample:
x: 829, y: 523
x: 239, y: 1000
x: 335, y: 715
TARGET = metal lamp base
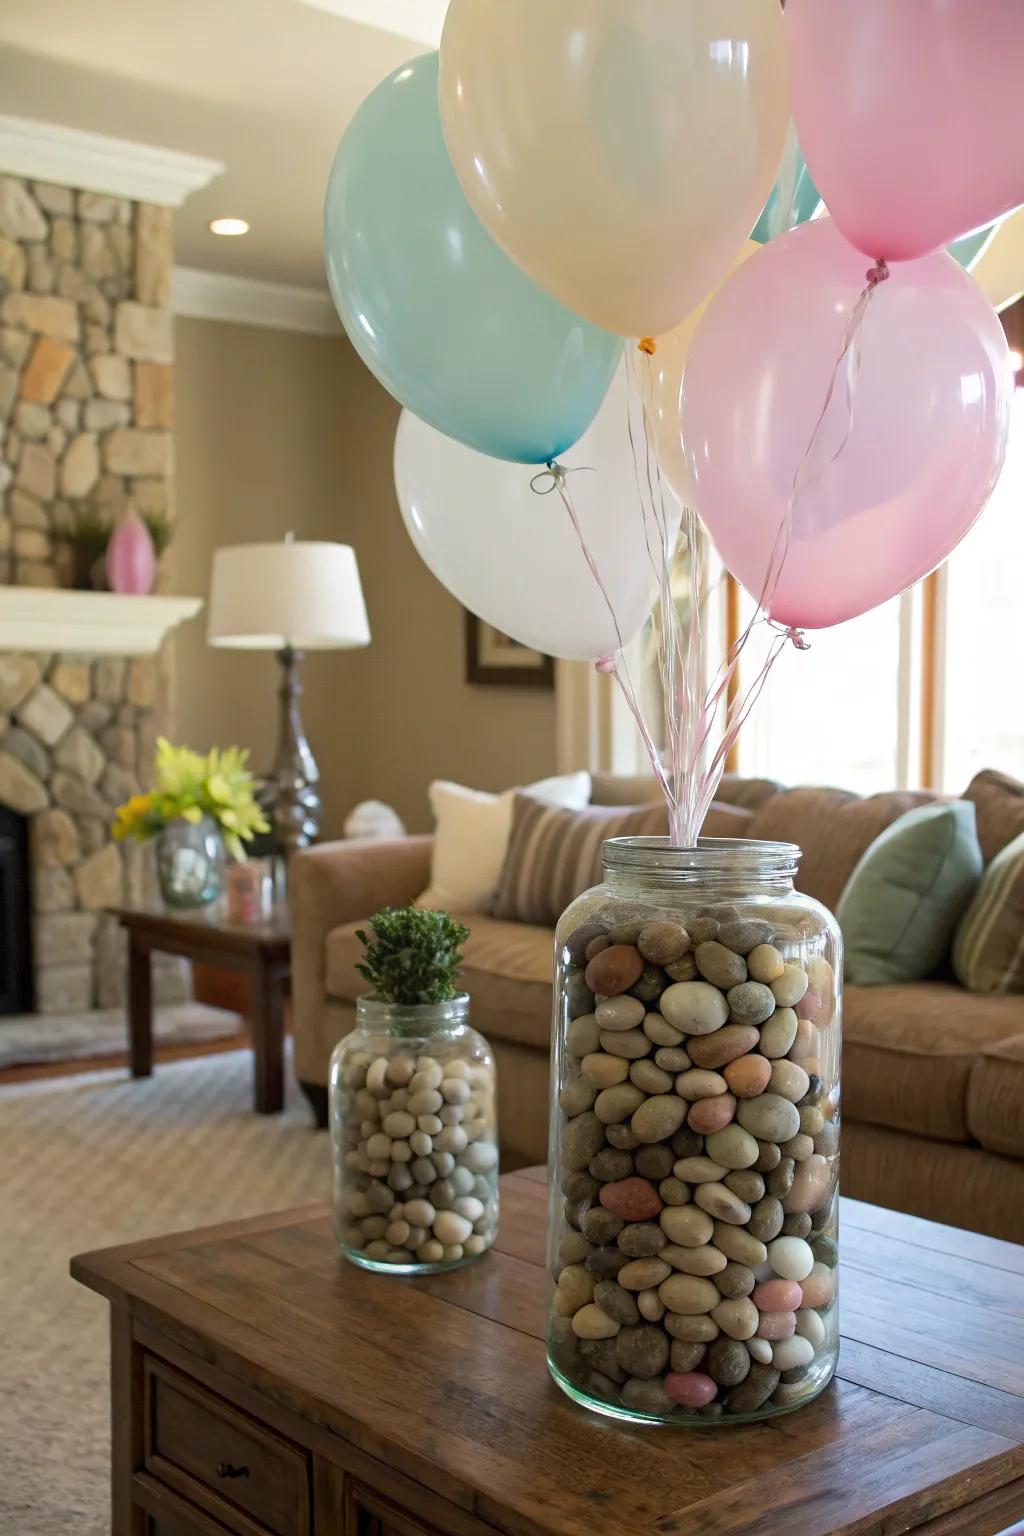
x: 290, y: 795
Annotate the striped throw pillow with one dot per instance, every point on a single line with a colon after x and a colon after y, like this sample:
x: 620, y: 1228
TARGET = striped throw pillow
x: 988, y: 951
x: 554, y: 855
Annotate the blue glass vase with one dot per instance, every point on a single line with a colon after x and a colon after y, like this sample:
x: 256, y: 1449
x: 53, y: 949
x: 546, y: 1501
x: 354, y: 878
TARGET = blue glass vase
x: 190, y: 863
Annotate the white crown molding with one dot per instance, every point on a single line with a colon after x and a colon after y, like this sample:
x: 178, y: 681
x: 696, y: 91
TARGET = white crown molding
x: 246, y: 301
x: 95, y: 163
x: 420, y: 21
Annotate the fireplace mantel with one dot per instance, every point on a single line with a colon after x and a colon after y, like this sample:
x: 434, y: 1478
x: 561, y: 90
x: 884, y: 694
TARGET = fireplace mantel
x: 89, y: 623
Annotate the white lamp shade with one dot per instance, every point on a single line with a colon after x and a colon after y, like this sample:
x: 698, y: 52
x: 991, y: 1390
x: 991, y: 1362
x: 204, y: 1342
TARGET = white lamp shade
x: 264, y: 597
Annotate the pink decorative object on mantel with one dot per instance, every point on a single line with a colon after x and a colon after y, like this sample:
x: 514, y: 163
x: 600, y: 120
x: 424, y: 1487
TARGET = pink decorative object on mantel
x: 131, y: 558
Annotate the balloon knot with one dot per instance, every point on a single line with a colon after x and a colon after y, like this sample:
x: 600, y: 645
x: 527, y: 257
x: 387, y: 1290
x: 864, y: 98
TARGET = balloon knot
x: 605, y: 665
x: 647, y: 344
x: 879, y: 273
x: 554, y: 475
x: 798, y: 638
x: 549, y: 479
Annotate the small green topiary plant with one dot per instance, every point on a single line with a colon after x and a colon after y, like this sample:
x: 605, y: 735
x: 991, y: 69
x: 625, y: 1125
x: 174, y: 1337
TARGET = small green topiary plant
x: 413, y: 957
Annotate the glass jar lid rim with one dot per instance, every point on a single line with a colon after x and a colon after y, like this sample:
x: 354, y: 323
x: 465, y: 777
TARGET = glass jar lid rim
x: 708, y: 854
x: 370, y: 1001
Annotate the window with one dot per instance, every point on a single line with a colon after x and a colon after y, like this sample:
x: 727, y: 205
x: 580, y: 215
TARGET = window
x: 983, y: 634
x: 830, y: 714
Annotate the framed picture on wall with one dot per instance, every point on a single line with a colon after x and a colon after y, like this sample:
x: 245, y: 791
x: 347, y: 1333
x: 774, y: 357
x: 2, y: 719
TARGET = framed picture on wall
x: 494, y: 658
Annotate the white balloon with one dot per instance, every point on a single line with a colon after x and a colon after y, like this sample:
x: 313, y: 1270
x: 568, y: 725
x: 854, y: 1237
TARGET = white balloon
x: 511, y: 555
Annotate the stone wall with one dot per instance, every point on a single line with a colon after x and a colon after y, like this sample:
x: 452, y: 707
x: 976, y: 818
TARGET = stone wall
x: 86, y: 380
x: 76, y: 739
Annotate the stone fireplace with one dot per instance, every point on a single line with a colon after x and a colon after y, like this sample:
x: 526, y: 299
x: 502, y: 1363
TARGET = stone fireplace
x: 86, y: 416
x: 15, y: 910
x: 79, y: 741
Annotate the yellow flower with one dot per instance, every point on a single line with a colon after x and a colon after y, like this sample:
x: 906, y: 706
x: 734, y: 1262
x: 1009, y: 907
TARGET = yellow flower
x: 219, y: 788
x: 189, y: 787
x: 130, y: 820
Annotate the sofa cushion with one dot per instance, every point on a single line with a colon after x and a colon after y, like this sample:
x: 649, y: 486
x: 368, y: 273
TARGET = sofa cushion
x: 734, y: 789
x: 909, y: 1053
x: 995, y: 1116
x: 624, y: 789
x: 999, y: 802
x: 507, y: 970
x: 833, y: 828
x: 988, y: 953
x: 905, y: 897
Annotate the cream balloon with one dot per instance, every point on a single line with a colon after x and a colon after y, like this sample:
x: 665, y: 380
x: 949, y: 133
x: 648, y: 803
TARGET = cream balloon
x: 667, y: 366
x: 511, y: 555
x: 620, y: 153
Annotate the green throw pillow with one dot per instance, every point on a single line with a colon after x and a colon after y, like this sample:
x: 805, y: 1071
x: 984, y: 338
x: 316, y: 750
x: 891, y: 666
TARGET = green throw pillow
x: 907, y: 894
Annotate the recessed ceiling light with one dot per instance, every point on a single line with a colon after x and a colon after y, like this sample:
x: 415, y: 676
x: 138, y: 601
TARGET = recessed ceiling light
x: 1016, y: 361
x: 229, y: 226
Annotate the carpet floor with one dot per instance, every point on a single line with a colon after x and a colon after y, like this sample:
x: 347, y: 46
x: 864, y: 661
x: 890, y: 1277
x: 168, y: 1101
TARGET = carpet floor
x: 88, y: 1162
x: 44, y: 1037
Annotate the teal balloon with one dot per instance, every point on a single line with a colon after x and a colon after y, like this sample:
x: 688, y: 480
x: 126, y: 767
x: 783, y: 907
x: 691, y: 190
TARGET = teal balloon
x: 449, y: 325
x: 970, y: 248
x: 803, y: 205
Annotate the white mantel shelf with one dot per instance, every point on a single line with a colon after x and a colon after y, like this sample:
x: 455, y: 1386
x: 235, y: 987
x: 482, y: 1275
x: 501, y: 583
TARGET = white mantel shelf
x: 89, y: 623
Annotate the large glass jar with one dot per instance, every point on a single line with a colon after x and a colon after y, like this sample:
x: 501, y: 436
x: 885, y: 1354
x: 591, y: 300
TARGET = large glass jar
x: 415, y: 1137
x: 695, y: 1136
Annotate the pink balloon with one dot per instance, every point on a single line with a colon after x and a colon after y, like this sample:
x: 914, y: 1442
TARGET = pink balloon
x: 908, y: 113
x: 131, y: 559
x: 890, y: 494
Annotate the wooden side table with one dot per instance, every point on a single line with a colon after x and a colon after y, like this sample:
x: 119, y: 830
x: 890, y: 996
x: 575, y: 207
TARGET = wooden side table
x: 262, y: 1386
x: 261, y: 951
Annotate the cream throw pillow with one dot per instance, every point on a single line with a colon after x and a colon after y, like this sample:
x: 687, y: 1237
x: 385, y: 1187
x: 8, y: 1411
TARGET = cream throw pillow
x: 471, y: 835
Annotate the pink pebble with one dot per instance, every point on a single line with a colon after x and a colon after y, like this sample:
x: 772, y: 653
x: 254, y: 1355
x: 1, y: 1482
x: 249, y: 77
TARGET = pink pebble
x: 776, y: 1325
x: 812, y: 1185
x: 633, y: 1199
x: 777, y: 1296
x: 809, y: 1005
x: 690, y: 1389
x: 709, y: 1115
x: 819, y: 1287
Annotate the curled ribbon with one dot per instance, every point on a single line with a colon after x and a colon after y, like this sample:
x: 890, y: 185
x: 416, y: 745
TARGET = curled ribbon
x: 555, y: 475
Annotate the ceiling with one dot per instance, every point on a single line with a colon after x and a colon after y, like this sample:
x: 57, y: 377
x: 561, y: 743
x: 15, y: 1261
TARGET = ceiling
x: 265, y: 86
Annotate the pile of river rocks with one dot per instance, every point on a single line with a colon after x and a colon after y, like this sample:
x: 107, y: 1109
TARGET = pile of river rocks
x: 417, y: 1173
x: 695, y: 1267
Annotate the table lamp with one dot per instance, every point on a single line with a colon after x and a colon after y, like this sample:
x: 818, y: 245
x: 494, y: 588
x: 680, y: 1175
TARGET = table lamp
x: 288, y: 597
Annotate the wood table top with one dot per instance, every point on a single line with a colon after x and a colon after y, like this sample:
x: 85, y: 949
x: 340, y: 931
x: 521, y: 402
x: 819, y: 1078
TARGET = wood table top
x: 208, y: 923
x: 444, y: 1378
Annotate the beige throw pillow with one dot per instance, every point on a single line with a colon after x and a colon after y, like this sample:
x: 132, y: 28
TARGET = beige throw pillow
x: 471, y: 836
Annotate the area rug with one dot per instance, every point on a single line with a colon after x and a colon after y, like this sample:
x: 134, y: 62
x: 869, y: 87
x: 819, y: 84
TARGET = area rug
x: 90, y: 1161
x: 33, y: 1038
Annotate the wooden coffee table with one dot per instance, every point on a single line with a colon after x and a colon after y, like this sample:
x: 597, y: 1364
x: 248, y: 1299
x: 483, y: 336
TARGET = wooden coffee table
x: 261, y: 950
x: 262, y: 1384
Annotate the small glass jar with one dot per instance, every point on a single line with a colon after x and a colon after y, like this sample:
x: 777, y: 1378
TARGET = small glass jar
x: 415, y: 1137
x: 695, y: 1136
x: 190, y: 862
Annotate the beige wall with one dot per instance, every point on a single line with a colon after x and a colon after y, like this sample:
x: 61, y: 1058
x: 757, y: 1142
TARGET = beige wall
x: 276, y: 431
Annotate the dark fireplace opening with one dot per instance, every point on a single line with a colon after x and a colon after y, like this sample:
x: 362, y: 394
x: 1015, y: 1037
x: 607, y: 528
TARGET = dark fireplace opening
x: 15, y: 907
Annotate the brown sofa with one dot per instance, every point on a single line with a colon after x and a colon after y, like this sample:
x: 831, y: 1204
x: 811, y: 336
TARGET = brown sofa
x: 933, y: 1076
